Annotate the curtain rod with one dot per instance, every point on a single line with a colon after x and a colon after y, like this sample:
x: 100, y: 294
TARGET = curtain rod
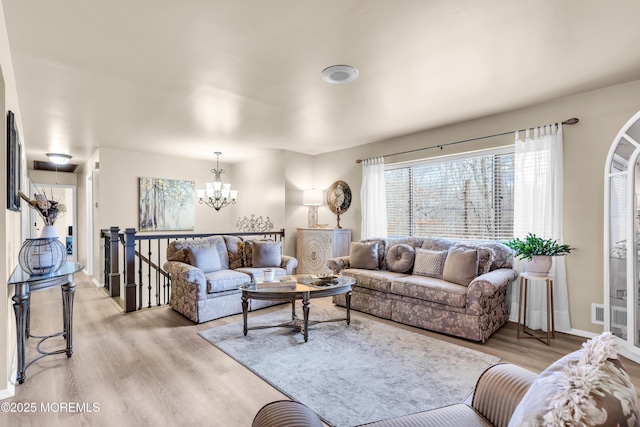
x: 571, y: 121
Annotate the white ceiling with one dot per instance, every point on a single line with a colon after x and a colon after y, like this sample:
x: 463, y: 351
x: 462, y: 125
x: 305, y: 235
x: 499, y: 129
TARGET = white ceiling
x: 192, y: 77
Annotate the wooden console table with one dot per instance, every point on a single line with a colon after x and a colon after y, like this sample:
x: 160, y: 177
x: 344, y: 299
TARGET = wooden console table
x: 24, y: 285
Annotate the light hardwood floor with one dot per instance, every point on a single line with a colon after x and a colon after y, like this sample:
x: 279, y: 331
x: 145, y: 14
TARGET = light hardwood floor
x: 150, y: 368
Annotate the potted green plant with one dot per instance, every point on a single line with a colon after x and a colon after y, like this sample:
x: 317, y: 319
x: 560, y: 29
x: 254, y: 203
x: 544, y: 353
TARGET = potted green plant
x: 536, y: 253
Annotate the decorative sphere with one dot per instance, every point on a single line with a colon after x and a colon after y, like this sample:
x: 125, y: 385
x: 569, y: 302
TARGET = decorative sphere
x: 42, y: 256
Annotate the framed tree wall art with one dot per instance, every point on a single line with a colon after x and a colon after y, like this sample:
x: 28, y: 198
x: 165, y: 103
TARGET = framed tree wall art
x: 14, y: 156
x: 167, y: 204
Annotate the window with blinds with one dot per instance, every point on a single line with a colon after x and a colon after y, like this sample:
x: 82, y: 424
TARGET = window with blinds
x: 468, y: 197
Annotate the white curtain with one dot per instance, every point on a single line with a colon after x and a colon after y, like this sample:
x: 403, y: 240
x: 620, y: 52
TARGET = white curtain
x: 538, y: 210
x: 373, y: 199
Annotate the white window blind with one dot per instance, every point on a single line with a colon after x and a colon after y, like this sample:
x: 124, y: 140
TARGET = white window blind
x: 459, y: 197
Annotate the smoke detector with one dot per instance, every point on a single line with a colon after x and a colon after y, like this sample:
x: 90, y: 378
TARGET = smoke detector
x: 338, y: 74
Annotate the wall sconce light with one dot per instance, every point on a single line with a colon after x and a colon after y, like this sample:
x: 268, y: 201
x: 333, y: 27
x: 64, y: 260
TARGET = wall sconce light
x: 312, y: 197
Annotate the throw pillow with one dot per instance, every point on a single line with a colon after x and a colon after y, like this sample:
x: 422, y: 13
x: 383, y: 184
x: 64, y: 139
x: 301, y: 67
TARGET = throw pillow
x: 266, y: 254
x: 178, y: 250
x: 461, y: 265
x: 587, y: 387
x: 486, y: 256
x: 400, y: 258
x: 364, y: 255
x: 235, y: 249
x: 429, y: 263
x: 247, y: 251
x: 205, y: 258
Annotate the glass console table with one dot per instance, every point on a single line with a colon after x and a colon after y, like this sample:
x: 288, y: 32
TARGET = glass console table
x: 24, y: 285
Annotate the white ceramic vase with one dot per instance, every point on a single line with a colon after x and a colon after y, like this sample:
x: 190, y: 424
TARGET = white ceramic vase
x: 540, y: 265
x: 49, y: 231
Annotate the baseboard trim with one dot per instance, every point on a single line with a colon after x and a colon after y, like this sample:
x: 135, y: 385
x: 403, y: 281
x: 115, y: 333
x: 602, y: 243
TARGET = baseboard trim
x: 93, y: 279
x: 580, y: 333
x: 621, y: 350
x: 629, y: 355
x: 572, y: 331
x: 10, y: 391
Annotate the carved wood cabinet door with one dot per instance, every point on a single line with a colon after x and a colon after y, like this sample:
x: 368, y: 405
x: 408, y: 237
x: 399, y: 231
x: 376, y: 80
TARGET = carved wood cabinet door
x: 315, y: 246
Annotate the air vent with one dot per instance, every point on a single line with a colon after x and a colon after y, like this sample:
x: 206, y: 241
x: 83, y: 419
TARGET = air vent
x: 597, y: 314
x: 618, y: 315
x: 50, y: 166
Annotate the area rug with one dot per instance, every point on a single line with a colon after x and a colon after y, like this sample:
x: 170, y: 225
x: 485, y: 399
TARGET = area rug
x: 351, y: 375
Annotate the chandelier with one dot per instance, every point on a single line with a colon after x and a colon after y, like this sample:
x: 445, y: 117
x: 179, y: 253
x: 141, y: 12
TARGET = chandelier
x: 216, y: 194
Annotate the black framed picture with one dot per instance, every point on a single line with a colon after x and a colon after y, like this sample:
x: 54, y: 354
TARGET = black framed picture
x: 14, y: 154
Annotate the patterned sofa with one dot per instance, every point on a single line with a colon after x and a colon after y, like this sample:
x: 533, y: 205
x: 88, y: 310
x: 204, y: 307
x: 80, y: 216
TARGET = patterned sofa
x: 444, y: 291
x: 205, y: 274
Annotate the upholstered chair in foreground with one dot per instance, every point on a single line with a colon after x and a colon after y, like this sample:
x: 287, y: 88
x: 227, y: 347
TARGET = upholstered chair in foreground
x: 286, y: 413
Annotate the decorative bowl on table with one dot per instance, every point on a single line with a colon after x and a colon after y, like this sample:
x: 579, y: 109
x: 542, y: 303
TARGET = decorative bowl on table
x: 328, y: 280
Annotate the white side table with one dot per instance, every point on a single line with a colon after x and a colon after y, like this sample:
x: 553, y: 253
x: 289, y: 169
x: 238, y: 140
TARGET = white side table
x: 525, y: 278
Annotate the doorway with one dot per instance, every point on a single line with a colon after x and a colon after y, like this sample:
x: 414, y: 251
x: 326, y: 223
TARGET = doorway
x: 65, y: 223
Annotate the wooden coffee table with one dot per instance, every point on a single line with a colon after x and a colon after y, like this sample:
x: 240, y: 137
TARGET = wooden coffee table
x: 305, y: 289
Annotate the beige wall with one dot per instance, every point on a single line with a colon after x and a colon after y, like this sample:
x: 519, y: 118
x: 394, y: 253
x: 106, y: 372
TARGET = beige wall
x: 11, y: 231
x: 270, y: 186
x: 261, y: 190
x: 299, y: 175
x: 116, y: 198
x: 118, y: 195
x: 602, y: 113
x: 260, y: 183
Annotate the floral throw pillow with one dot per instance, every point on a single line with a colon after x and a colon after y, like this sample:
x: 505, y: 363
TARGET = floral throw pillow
x: 486, y: 255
